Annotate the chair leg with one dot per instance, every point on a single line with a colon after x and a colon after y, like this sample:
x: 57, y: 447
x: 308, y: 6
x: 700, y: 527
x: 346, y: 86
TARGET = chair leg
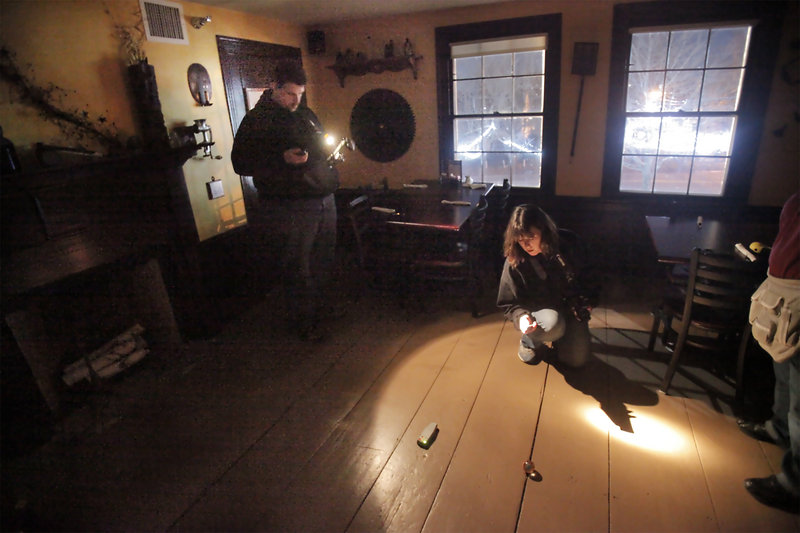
x: 657, y: 315
x: 743, y: 345
x: 477, y: 294
x: 673, y: 363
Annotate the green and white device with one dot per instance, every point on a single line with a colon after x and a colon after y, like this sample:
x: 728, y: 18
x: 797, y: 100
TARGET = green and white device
x: 428, y: 435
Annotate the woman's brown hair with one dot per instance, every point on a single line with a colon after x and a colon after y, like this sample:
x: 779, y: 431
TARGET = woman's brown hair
x: 524, y: 218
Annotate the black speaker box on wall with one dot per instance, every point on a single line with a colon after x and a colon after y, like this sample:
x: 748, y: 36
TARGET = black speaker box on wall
x: 584, y: 59
x: 316, y: 42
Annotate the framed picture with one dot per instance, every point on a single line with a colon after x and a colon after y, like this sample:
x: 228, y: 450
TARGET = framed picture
x: 252, y: 95
x: 454, y: 170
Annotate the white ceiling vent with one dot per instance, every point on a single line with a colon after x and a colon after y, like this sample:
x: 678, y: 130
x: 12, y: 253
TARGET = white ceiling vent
x: 163, y: 21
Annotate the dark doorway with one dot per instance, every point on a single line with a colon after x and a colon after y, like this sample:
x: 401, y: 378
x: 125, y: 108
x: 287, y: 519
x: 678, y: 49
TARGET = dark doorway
x: 246, y: 67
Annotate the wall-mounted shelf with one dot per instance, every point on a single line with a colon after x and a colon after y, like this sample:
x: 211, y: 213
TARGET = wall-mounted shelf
x: 375, y: 66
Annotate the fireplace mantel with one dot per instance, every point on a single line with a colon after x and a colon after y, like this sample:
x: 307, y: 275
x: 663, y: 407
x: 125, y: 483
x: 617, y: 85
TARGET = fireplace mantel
x: 115, y: 236
x: 58, y: 222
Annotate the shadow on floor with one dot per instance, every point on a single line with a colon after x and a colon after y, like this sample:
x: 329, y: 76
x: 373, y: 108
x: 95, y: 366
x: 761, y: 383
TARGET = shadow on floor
x: 613, y: 394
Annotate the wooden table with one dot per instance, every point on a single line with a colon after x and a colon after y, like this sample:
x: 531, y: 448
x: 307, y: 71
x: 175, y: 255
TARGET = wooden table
x: 420, y: 205
x: 674, y: 238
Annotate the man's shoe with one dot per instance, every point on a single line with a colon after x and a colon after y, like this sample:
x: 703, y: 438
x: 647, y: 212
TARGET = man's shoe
x: 528, y: 355
x: 758, y: 430
x: 769, y: 491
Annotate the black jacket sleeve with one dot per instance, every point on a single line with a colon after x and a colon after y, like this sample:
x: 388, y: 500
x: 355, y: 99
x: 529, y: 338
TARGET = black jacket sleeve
x: 265, y: 133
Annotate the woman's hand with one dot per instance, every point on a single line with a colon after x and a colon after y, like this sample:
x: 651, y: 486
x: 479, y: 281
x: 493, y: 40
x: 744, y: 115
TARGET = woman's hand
x: 527, y: 323
x: 295, y: 156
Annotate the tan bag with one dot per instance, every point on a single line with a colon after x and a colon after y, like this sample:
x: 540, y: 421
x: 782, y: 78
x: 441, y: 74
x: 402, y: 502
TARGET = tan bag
x: 775, y: 317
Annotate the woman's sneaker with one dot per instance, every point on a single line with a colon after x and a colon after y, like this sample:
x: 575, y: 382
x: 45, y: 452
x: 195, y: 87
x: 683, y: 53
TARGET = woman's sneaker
x: 528, y: 355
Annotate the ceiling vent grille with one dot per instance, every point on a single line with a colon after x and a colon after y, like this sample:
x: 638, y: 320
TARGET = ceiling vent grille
x: 163, y: 21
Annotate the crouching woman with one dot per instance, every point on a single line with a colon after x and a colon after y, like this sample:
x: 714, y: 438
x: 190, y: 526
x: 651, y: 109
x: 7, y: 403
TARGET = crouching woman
x: 540, y: 292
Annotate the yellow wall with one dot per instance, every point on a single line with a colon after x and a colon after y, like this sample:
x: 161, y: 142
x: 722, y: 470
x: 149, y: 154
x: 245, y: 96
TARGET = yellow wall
x: 71, y: 43
x: 582, y: 21
x: 777, y: 173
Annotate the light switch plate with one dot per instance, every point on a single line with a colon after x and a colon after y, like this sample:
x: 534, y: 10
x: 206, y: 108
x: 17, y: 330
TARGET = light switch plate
x: 215, y: 189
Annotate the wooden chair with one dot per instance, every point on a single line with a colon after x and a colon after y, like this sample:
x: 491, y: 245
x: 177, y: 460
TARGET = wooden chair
x: 496, y: 222
x: 457, y: 259
x: 713, y: 313
x: 378, y: 251
x: 359, y: 221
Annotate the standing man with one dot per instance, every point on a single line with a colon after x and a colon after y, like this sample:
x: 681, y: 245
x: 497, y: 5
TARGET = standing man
x: 280, y: 144
x: 775, y: 317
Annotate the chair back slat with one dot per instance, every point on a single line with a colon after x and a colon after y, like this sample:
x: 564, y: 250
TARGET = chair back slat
x: 719, y: 282
x: 714, y: 311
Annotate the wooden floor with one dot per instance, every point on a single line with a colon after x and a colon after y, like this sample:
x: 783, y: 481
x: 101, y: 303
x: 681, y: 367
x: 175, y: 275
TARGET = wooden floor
x: 254, y: 431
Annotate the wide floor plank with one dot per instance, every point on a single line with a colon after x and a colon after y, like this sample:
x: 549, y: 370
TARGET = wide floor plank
x: 483, y: 485
x: 404, y: 492
x: 729, y: 457
x: 572, y: 458
x: 657, y: 480
x: 359, y: 447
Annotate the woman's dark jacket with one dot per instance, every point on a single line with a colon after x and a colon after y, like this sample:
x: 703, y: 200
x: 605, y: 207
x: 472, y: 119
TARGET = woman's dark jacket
x: 526, y: 288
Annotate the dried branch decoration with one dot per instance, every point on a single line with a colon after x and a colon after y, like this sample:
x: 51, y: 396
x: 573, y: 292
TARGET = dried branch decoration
x: 131, y: 37
x: 46, y: 100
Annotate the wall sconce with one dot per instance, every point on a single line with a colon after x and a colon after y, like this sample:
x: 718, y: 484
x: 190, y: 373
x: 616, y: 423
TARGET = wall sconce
x: 199, y: 22
x: 199, y: 84
x: 201, y: 127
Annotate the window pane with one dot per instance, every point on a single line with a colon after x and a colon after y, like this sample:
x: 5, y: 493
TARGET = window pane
x: 467, y: 99
x: 526, y: 134
x: 527, y: 170
x: 645, y: 92
x: 471, y: 164
x: 496, y: 167
x: 529, y: 94
x: 497, y: 65
x: 672, y: 175
x: 677, y: 136
x: 467, y: 134
x: 497, y: 95
x: 496, y: 145
x: 682, y: 90
x: 721, y: 90
x: 526, y: 63
x: 637, y: 173
x: 648, y: 51
x: 715, y: 136
x: 496, y: 135
x: 728, y: 47
x: 687, y: 49
x: 708, y: 175
x: 641, y: 135
x: 508, y: 84
x: 467, y: 67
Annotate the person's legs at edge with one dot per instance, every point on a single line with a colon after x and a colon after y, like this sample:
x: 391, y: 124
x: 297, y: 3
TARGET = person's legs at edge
x: 783, y: 490
x: 776, y: 429
x: 778, y: 425
x: 790, y: 474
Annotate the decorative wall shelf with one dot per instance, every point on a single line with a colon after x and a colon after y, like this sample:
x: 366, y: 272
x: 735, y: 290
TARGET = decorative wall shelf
x: 375, y: 66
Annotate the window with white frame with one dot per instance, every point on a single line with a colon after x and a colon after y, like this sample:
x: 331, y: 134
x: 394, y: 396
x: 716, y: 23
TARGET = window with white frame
x: 498, y: 85
x: 689, y: 86
x: 498, y: 103
x: 681, y: 109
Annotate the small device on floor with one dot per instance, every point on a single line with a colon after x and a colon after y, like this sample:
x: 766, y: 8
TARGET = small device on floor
x: 428, y: 435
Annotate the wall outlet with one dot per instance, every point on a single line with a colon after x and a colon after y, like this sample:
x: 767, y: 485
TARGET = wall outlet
x: 215, y: 189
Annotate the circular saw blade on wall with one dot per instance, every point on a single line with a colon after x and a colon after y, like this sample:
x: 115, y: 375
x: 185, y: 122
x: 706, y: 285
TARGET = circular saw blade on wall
x: 382, y: 124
